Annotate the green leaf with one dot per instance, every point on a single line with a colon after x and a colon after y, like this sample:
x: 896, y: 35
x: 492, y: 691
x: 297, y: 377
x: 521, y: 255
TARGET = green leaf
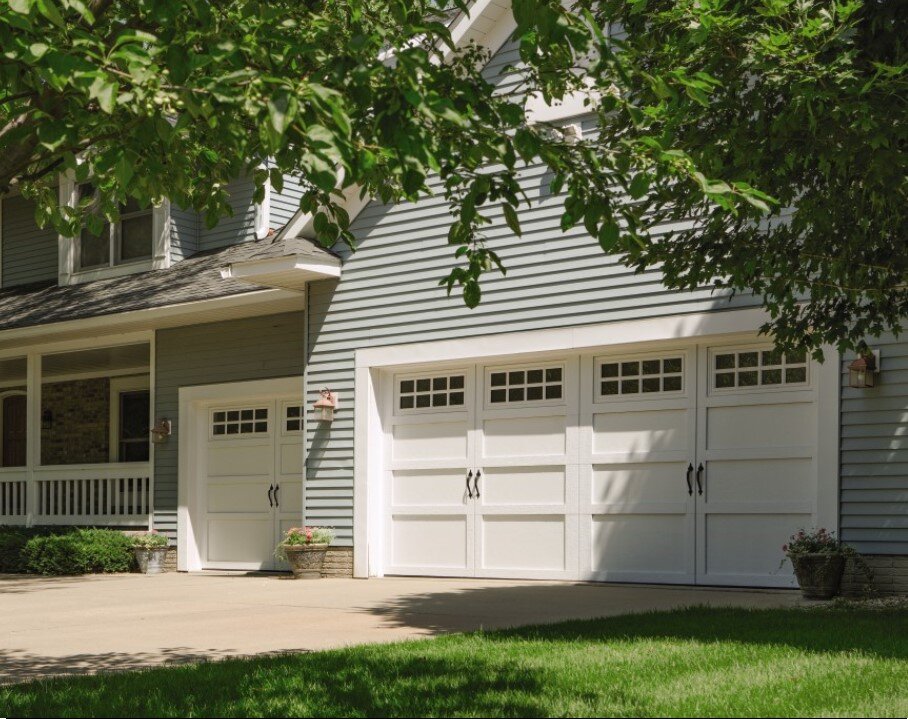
x: 472, y: 294
x: 510, y: 216
x: 609, y: 233
x: 105, y: 92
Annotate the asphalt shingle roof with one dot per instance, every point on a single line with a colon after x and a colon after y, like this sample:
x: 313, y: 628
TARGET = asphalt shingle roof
x: 191, y: 280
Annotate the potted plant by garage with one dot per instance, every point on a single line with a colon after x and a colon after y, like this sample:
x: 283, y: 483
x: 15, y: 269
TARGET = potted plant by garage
x: 150, y: 550
x: 304, y: 549
x: 818, y: 558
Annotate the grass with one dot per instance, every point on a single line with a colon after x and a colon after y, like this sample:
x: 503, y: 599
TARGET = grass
x: 691, y: 662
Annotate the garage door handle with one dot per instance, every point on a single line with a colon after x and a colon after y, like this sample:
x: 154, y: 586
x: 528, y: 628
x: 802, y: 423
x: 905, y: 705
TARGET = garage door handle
x: 277, y: 500
x: 270, y: 498
x: 476, y: 482
x: 690, y: 486
x: 469, y: 477
x: 700, y: 478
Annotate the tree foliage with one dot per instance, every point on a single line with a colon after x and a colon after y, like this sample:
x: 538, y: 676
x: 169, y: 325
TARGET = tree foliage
x: 774, y: 129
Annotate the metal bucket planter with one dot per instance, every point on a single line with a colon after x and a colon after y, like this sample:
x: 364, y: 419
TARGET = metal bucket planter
x: 150, y: 560
x: 306, y: 560
x: 819, y: 575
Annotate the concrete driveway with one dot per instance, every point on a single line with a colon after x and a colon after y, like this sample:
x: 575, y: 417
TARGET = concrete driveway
x: 103, y: 623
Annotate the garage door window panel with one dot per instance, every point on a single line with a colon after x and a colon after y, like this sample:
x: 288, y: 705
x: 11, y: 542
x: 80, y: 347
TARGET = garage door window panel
x: 519, y: 386
x: 235, y: 422
x: 758, y: 368
x: 426, y: 392
x: 644, y: 377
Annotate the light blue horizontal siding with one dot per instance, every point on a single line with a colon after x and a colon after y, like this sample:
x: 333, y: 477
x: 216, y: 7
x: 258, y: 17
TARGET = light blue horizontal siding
x: 231, y: 351
x: 874, y: 455
x: 236, y: 228
x: 29, y: 254
x: 284, y: 204
x: 184, y: 233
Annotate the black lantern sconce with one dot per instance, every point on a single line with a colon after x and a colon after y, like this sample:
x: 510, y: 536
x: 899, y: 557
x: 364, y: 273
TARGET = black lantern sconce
x: 47, y: 419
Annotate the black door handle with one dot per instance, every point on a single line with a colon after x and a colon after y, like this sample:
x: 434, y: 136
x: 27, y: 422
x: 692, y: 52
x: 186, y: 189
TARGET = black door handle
x: 690, y: 487
x: 277, y: 501
x: 700, y: 478
x: 270, y: 498
x: 469, y: 477
x: 476, y: 482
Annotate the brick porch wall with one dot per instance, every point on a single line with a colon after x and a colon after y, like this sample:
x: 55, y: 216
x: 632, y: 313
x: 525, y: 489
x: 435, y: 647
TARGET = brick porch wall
x: 80, y: 433
x: 890, y: 575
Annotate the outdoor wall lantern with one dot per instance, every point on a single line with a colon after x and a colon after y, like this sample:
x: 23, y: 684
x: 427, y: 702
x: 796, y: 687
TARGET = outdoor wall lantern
x: 863, y: 371
x: 326, y: 405
x: 161, y: 431
x: 47, y: 419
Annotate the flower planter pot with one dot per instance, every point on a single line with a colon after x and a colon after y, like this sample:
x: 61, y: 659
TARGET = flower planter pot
x: 306, y: 560
x: 150, y: 560
x: 819, y: 575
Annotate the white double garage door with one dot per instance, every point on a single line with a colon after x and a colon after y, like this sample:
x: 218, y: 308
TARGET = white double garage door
x: 691, y: 464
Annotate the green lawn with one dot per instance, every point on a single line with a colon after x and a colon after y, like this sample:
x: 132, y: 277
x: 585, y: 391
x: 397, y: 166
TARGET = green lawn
x: 693, y: 662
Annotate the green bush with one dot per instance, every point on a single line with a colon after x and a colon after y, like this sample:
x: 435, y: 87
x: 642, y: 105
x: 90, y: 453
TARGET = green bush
x: 78, y: 551
x: 13, y: 541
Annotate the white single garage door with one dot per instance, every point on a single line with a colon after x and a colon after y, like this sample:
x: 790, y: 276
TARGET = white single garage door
x: 690, y: 464
x: 252, y: 488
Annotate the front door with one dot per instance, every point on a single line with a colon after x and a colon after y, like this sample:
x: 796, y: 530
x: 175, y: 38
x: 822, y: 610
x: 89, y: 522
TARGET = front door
x: 253, y: 481
x: 14, y: 431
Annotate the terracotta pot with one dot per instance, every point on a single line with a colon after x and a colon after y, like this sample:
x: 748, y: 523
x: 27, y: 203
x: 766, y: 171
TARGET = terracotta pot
x: 819, y: 575
x: 306, y: 560
x: 150, y: 560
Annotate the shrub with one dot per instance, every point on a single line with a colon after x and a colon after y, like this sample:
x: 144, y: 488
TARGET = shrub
x: 13, y: 541
x: 80, y: 551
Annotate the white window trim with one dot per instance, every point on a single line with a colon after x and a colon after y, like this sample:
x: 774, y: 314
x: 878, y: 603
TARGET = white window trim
x: 118, y: 385
x: 68, y: 272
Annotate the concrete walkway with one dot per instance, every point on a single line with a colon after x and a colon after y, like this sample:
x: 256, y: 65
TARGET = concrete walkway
x: 102, y: 623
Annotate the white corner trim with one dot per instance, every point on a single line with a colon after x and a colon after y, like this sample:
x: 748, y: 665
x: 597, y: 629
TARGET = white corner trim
x: 828, y: 428
x: 262, y: 221
x: 191, y: 433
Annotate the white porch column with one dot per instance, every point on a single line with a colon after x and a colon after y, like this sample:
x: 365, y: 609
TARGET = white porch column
x: 33, y: 433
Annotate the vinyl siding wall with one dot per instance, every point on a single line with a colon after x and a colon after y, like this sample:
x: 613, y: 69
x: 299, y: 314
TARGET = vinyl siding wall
x: 29, y: 254
x: 233, y: 229
x: 184, y: 233
x: 286, y: 203
x: 231, y: 351
x: 389, y: 294
x: 874, y: 455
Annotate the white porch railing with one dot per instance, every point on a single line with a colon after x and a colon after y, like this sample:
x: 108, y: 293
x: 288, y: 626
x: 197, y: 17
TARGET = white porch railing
x: 99, y: 494
x: 13, y: 496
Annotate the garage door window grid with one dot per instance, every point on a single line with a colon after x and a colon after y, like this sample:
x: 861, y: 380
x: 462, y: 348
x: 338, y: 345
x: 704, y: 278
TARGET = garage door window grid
x: 639, y: 377
x: 428, y: 392
x: 758, y: 368
x: 520, y: 385
x: 239, y: 421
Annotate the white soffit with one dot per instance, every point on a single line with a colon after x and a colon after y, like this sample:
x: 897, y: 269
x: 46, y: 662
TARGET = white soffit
x: 290, y: 272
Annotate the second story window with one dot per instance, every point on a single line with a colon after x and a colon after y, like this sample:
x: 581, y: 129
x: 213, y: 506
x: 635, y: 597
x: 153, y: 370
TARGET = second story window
x: 129, y: 240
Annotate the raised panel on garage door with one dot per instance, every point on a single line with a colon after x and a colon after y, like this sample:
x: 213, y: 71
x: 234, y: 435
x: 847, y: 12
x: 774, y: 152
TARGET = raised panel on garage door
x: 429, y: 445
x: 757, y: 437
x: 239, y: 469
x: 525, y: 496
x: 636, y: 507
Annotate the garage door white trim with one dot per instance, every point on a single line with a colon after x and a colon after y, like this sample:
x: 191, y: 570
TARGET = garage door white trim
x: 193, y: 433
x: 645, y: 335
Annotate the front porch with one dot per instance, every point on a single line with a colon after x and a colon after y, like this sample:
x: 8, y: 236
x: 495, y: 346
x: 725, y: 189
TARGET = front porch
x: 75, y: 424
